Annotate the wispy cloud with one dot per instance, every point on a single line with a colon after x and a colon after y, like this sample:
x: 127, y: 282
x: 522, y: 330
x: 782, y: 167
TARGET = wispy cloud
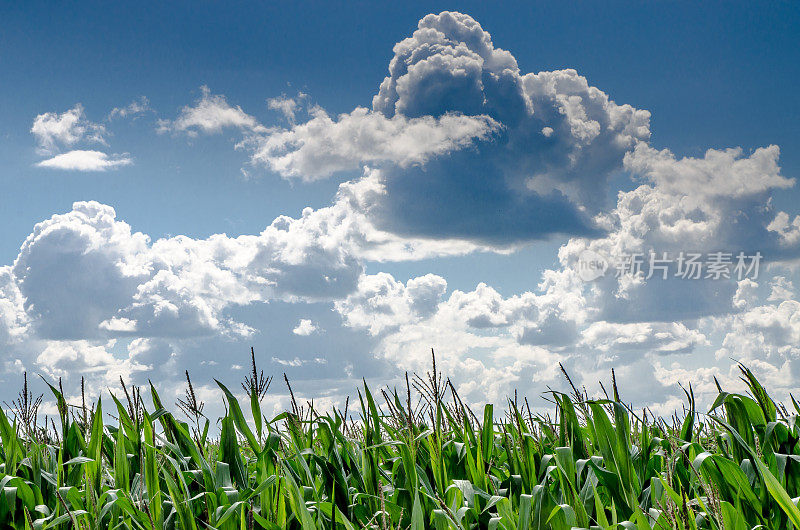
x: 135, y: 108
x: 286, y: 105
x: 297, y: 362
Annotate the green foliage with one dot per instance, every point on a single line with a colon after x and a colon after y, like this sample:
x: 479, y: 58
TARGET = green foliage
x: 414, y: 461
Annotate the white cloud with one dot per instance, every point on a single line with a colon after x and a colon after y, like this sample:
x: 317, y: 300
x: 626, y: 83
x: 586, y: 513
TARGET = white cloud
x: 53, y: 130
x: 56, y: 132
x: 322, y: 146
x: 719, y: 173
x: 86, y: 274
x: 77, y: 269
x: 297, y: 362
x: 456, y: 127
x: 81, y: 160
x: 720, y: 202
x: 782, y: 289
x: 381, y: 303
x: 788, y: 229
x: 210, y: 114
x: 765, y: 332
x: 305, y: 328
x: 701, y: 379
x: 118, y: 324
x: 767, y: 339
x: 640, y: 337
x: 486, y: 343
x: 156, y: 353
x: 746, y: 294
x: 92, y: 360
x: 286, y: 106
x: 14, y: 321
x: 135, y: 108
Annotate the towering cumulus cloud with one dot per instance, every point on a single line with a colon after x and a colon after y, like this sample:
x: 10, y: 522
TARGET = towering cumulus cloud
x: 527, y: 155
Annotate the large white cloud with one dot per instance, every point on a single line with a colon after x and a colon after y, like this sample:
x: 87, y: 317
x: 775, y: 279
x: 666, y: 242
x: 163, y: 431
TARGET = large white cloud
x: 85, y: 273
x: 720, y: 173
x: 77, y: 269
x: 89, y: 295
x: 488, y: 343
x: 720, y: 201
x: 456, y: 128
x: 769, y: 332
x: 717, y: 203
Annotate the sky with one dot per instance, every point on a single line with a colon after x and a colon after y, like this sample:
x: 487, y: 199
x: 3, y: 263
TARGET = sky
x: 344, y: 186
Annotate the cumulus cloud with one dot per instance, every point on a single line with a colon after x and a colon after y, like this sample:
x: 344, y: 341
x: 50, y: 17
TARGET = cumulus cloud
x: 782, y: 289
x: 719, y: 173
x: 456, y: 127
x: 14, y: 320
x: 77, y: 269
x: 305, y: 328
x: 210, y: 114
x: 746, y: 294
x: 381, y: 303
x: 766, y: 331
x: 787, y: 229
x: 65, y: 358
x: 488, y: 343
x: 766, y: 337
x: 85, y: 284
x: 54, y: 131
x: 717, y: 203
x: 82, y: 160
x: 87, y: 274
x: 720, y: 201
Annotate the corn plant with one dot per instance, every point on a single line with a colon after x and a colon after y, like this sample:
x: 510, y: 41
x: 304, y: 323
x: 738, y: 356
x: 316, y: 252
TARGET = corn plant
x: 411, y: 458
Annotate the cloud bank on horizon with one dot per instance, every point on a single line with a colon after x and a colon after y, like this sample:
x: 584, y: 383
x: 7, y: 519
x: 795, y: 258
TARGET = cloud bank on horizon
x: 460, y: 152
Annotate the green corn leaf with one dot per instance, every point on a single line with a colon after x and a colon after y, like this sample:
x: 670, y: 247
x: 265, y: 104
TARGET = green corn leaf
x: 238, y: 418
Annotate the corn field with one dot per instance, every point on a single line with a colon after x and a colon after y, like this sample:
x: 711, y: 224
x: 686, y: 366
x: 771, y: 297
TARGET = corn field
x: 415, y: 458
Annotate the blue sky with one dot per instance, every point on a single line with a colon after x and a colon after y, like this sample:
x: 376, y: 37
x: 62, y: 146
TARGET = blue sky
x: 498, y: 202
